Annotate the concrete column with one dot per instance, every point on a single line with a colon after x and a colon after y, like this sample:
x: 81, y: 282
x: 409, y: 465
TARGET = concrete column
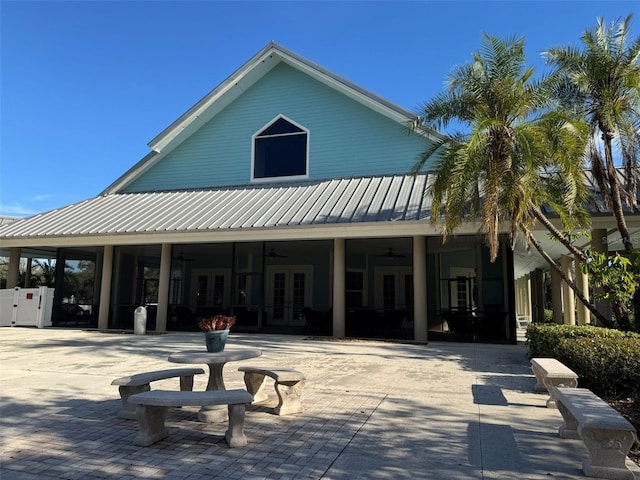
x: 105, y: 287
x: 568, y: 298
x: 556, y: 296
x: 537, y: 296
x: 339, y: 305
x: 13, y: 275
x: 600, y: 244
x: 163, y: 288
x: 527, y: 296
x: 520, y: 296
x: 582, y: 282
x: 420, y: 288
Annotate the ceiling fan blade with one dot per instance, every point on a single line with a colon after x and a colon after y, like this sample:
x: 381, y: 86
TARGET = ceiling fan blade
x: 272, y: 254
x: 391, y: 254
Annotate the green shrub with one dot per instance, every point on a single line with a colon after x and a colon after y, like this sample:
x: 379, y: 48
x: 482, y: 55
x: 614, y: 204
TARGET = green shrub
x: 609, y: 367
x: 607, y: 361
x: 543, y: 338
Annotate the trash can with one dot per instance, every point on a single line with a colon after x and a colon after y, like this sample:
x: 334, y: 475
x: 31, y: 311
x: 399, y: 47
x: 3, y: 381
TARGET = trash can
x: 140, y: 321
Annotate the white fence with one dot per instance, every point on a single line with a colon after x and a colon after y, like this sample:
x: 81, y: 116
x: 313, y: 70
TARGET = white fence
x: 26, y: 307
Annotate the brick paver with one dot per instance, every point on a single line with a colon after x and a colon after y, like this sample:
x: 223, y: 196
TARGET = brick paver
x: 372, y: 410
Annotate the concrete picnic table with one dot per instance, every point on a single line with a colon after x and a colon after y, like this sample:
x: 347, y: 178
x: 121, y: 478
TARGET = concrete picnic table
x: 216, y: 362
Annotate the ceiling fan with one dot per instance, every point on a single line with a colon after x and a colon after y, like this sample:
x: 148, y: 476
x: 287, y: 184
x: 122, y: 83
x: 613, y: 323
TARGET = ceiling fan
x: 390, y: 255
x: 182, y: 258
x: 272, y: 254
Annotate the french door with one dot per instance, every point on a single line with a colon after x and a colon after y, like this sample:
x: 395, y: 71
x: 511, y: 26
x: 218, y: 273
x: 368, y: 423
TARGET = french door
x: 289, y: 290
x: 461, y: 288
x: 394, y: 288
x: 210, y: 289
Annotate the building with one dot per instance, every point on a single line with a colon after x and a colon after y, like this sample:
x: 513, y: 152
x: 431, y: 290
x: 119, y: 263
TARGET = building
x: 283, y: 197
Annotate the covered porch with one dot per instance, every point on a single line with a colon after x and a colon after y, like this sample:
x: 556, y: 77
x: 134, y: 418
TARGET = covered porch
x: 410, y: 287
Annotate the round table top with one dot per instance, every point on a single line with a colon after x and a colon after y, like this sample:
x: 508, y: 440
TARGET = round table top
x: 198, y: 356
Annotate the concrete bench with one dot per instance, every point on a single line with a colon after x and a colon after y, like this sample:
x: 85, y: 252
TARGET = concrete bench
x: 607, y: 435
x: 551, y: 373
x: 139, y: 383
x: 288, y: 385
x: 152, y: 406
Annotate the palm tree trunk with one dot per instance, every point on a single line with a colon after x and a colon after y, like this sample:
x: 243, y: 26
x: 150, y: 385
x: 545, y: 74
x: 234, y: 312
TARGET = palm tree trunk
x: 620, y: 309
x: 557, y: 234
x: 616, y: 199
x: 572, y: 285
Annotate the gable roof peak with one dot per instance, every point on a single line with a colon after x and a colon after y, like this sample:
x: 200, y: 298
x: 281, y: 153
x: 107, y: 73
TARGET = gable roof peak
x: 235, y: 85
x: 249, y: 73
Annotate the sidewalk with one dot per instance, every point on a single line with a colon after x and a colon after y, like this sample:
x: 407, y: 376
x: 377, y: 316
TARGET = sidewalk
x: 372, y: 411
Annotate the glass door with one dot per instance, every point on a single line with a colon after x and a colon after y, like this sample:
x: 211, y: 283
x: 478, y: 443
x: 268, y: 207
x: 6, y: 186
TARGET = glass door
x: 394, y: 288
x: 210, y: 292
x: 289, y: 291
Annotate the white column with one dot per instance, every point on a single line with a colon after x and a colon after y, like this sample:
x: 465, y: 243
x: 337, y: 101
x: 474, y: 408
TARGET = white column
x: 556, y: 296
x: 568, y: 299
x: 339, y: 287
x: 527, y: 296
x: 582, y: 282
x: 420, y: 288
x: 105, y: 287
x: 13, y: 275
x: 163, y: 288
x: 520, y: 296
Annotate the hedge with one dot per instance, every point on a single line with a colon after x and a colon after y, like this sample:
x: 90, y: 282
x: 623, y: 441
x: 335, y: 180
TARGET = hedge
x: 607, y: 361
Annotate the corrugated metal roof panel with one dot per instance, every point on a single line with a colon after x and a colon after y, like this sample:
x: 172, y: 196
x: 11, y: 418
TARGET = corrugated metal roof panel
x: 414, y: 205
x: 384, y: 212
x: 333, y: 201
x: 348, y: 200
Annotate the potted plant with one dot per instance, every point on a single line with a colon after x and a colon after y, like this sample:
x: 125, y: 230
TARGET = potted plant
x: 216, y: 330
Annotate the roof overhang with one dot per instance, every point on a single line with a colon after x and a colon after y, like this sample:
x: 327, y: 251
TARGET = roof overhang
x: 358, y: 207
x: 354, y: 207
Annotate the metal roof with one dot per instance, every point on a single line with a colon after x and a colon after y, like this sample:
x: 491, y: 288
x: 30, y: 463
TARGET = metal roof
x: 394, y: 198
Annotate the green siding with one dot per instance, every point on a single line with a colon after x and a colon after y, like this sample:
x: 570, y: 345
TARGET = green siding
x: 345, y: 138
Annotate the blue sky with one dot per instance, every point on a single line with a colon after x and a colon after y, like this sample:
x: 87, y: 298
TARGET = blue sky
x: 84, y: 85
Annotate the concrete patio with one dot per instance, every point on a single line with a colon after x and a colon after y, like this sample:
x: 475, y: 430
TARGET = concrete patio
x: 372, y: 410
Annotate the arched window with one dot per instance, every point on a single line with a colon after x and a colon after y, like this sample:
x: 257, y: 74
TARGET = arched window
x: 280, y: 150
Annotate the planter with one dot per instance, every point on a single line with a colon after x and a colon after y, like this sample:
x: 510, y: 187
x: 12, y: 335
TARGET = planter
x: 215, y: 340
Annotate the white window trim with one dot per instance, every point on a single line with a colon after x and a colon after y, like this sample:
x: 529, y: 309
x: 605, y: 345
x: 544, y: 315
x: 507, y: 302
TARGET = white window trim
x: 253, y: 153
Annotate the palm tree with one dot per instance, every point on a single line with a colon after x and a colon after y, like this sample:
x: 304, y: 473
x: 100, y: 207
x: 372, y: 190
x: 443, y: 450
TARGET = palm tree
x: 602, y: 83
x: 513, y: 155
x: 46, y: 272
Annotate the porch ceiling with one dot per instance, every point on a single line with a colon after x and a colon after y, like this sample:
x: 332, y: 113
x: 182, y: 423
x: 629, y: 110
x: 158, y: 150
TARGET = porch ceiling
x: 526, y: 261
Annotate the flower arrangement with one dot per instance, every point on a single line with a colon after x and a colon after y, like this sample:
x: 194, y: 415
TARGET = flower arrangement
x: 217, y: 322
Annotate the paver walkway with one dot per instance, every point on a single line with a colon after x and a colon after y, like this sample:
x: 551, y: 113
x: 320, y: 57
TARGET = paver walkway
x: 372, y: 411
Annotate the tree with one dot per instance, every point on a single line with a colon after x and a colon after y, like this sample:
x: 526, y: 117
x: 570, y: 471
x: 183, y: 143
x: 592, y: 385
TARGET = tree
x: 45, y: 272
x: 514, y: 154
x: 601, y: 83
